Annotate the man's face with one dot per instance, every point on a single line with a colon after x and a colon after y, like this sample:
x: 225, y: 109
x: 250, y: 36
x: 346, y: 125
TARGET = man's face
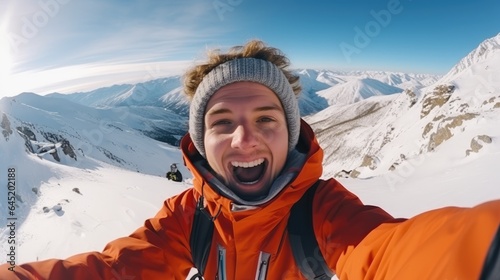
x: 246, y: 137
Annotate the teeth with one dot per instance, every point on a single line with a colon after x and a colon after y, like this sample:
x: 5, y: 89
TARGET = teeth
x: 247, y: 164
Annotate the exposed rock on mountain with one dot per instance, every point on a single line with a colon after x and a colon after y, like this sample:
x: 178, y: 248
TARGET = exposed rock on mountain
x: 445, y: 128
x: 477, y: 143
x: 5, y: 124
x: 438, y: 97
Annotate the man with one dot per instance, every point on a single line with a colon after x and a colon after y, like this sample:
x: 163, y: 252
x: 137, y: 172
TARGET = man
x: 174, y: 174
x: 252, y: 159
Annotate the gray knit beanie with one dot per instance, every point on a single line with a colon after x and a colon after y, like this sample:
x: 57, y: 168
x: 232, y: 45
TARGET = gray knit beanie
x: 244, y: 70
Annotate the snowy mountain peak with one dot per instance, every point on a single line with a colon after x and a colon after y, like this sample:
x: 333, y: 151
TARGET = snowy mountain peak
x: 310, y: 73
x: 487, y: 49
x: 356, y: 90
x: 146, y: 93
x: 457, y: 115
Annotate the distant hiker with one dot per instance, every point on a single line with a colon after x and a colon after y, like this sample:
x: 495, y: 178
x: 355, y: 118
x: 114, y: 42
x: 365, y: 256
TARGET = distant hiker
x: 174, y: 174
x: 254, y: 163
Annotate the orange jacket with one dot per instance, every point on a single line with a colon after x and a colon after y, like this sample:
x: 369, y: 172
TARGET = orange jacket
x: 358, y: 241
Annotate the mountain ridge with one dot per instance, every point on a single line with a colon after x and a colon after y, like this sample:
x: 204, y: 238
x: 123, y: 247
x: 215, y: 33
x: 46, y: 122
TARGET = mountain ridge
x: 158, y: 109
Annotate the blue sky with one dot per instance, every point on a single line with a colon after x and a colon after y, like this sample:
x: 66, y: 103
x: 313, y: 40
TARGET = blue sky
x: 74, y: 45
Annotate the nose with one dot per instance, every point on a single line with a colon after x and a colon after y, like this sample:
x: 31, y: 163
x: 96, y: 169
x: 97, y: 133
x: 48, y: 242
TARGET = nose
x: 244, y: 137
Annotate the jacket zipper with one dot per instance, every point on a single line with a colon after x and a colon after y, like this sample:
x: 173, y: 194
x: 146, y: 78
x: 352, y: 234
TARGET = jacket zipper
x: 221, y: 263
x: 262, y: 266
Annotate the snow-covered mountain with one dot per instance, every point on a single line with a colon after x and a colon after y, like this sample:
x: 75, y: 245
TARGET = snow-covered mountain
x: 487, y: 50
x: 65, y: 132
x: 159, y: 109
x: 356, y: 90
x: 323, y: 88
x: 463, y: 108
x: 151, y: 93
x: 90, y: 166
x: 156, y: 109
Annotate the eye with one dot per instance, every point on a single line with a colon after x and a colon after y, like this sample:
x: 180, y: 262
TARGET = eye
x: 221, y: 122
x: 265, y: 119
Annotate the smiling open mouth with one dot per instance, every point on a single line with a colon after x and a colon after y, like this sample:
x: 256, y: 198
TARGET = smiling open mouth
x: 248, y: 173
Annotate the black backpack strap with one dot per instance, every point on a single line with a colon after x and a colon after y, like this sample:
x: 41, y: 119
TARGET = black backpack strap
x: 305, y: 248
x: 491, y: 268
x: 201, y: 238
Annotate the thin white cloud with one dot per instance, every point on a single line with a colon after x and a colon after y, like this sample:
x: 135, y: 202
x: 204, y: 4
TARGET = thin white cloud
x: 86, y: 77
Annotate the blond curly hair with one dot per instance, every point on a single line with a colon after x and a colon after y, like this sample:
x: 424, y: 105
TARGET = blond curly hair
x: 253, y: 49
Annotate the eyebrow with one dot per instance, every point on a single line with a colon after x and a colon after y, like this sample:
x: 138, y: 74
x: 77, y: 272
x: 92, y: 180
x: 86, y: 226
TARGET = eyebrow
x: 258, y: 109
